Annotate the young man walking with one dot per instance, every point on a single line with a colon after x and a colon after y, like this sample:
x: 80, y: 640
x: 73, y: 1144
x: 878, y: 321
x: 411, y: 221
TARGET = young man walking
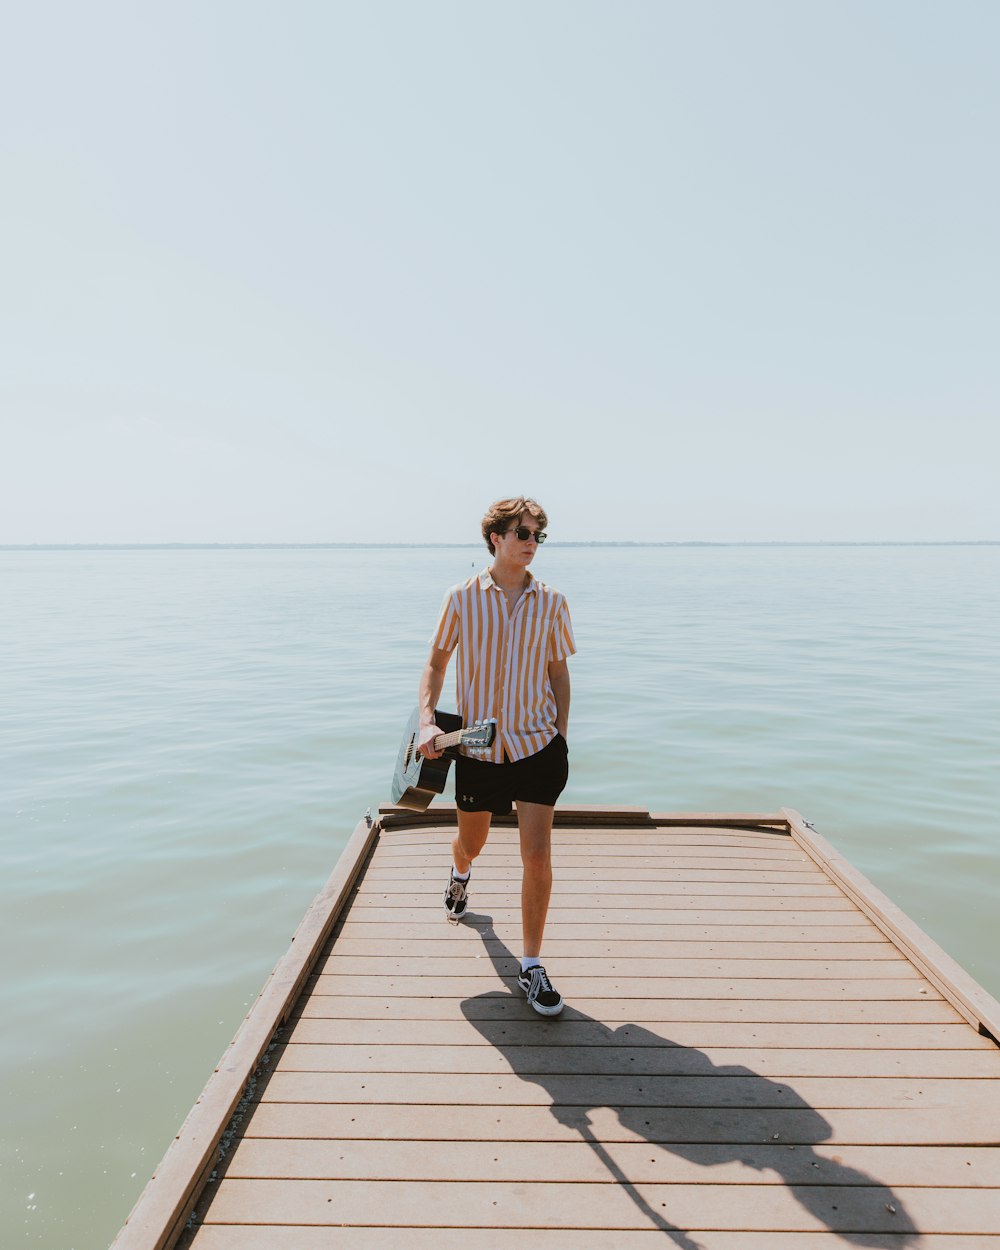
x: 513, y: 637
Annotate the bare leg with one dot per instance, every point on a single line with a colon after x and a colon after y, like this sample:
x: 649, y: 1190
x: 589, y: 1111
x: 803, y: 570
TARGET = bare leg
x: 534, y: 822
x: 473, y: 830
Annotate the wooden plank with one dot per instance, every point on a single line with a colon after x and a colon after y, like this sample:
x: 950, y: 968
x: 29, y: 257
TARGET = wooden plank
x: 442, y: 815
x: 719, y: 1090
x: 368, y: 985
x: 277, y: 1237
x: 502, y: 850
x: 498, y: 1005
x: 622, y: 1060
x: 506, y: 852
x: 780, y: 913
x: 388, y: 948
x: 166, y: 1200
x: 713, y: 936
x: 776, y: 1164
x: 463, y: 965
x: 554, y: 1205
x: 502, y: 913
x: 911, y: 1124
x: 609, y: 845
x: 502, y: 905
x: 601, y: 855
x: 458, y: 1031
x: 580, y: 830
x: 290, y: 1237
x: 635, y: 890
x: 382, y: 878
x: 979, y: 1007
x: 604, y: 837
x: 719, y: 820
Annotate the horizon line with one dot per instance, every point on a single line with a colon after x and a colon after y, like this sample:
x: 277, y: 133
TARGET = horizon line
x: 304, y: 546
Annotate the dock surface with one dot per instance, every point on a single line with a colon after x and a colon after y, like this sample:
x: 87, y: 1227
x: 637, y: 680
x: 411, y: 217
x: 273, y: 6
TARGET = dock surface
x: 757, y: 1051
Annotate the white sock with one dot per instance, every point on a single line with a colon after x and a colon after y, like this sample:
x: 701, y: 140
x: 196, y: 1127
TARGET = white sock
x: 461, y: 876
x: 530, y: 961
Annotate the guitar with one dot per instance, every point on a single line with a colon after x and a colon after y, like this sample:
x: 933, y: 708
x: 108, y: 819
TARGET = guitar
x: 417, y: 779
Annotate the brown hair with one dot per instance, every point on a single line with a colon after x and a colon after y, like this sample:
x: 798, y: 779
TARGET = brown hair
x: 505, y: 513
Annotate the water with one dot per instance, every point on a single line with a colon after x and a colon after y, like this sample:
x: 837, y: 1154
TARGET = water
x: 189, y: 738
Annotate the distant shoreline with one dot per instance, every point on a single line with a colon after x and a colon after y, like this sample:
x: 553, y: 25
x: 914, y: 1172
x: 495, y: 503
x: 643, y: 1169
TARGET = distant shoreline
x: 987, y: 542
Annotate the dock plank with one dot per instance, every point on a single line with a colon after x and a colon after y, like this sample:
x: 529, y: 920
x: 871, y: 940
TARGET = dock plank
x: 484, y: 1161
x: 751, y: 873
x: 742, y: 1090
x: 506, y: 1031
x: 706, y: 884
x: 276, y: 1237
x: 378, y: 946
x: 646, y: 906
x: 834, y: 914
x: 887, y: 966
x: 622, y: 1060
x: 606, y: 842
x: 909, y: 1125
x: 654, y: 1011
x: 367, y: 984
x: 745, y: 1207
x: 706, y: 934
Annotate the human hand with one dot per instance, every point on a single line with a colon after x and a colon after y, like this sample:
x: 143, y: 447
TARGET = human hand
x: 425, y: 741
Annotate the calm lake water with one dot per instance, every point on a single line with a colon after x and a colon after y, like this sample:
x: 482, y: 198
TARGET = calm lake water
x: 190, y: 736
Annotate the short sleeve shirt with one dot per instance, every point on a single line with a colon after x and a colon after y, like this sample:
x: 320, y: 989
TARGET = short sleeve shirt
x: 503, y: 658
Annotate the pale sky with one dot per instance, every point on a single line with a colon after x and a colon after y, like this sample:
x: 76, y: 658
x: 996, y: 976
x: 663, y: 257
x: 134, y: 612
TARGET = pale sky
x: 722, y: 271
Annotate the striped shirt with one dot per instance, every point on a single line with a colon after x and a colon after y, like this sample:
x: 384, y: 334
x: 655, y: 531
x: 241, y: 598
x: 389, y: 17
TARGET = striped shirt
x: 503, y: 659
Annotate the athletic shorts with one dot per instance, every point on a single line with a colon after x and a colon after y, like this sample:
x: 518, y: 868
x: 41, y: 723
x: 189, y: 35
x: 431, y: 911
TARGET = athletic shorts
x: 540, y: 778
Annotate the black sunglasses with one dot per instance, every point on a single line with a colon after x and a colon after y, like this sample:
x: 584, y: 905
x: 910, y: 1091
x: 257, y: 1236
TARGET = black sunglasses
x: 523, y: 534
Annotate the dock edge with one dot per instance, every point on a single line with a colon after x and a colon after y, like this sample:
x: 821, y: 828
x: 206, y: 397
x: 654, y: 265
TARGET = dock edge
x: 165, y: 1205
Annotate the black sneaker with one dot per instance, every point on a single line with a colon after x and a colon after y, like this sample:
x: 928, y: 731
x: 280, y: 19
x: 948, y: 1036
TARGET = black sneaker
x: 542, y: 994
x: 456, y: 899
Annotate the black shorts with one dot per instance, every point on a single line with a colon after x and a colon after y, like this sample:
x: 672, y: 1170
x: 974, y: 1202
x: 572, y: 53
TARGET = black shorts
x: 539, y: 778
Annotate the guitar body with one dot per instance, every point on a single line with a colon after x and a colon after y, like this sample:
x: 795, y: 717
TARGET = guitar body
x: 417, y: 779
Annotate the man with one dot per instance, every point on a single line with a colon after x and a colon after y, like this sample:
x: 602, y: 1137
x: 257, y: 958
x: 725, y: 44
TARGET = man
x: 513, y: 637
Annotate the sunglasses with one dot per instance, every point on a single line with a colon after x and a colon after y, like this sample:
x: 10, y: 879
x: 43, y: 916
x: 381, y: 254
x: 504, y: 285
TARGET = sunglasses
x: 522, y: 534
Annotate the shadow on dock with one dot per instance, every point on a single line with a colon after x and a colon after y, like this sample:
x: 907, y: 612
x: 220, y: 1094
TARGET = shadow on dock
x: 728, y: 1142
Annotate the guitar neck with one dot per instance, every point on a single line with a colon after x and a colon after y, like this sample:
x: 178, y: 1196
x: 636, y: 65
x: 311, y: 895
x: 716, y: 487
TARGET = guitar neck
x: 443, y: 741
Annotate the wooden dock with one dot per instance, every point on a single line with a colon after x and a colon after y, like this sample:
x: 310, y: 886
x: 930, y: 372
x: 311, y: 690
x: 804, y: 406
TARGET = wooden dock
x: 759, y: 1051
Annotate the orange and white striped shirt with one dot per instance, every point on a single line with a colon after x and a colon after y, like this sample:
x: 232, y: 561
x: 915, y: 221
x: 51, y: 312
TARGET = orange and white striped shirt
x: 503, y: 659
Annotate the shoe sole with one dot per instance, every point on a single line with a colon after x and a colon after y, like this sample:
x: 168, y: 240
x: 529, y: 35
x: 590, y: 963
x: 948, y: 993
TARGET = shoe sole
x: 540, y: 1007
x: 546, y: 1011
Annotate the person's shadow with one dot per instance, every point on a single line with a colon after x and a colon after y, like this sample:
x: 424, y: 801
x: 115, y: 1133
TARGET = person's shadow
x: 875, y: 1209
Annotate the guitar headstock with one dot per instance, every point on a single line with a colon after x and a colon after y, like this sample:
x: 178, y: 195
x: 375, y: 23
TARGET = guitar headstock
x: 479, y: 737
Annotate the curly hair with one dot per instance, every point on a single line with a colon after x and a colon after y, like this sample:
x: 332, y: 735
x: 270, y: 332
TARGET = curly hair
x: 500, y: 516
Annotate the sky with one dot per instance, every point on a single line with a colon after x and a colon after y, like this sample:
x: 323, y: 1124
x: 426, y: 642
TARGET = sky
x: 331, y: 272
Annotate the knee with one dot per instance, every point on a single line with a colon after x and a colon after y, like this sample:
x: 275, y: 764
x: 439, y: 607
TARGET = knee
x: 470, y: 847
x: 537, y: 863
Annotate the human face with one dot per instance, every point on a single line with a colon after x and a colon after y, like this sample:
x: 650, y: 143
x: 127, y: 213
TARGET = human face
x: 512, y: 550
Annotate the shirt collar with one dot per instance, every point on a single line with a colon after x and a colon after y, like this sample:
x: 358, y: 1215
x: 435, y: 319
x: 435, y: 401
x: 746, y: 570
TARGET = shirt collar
x: 486, y: 581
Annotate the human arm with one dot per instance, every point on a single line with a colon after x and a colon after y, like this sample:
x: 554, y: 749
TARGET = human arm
x: 559, y: 681
x: 431, y: 683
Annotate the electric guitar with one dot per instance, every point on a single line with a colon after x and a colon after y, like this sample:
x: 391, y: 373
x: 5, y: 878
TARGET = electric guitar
x: 417, y: 779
